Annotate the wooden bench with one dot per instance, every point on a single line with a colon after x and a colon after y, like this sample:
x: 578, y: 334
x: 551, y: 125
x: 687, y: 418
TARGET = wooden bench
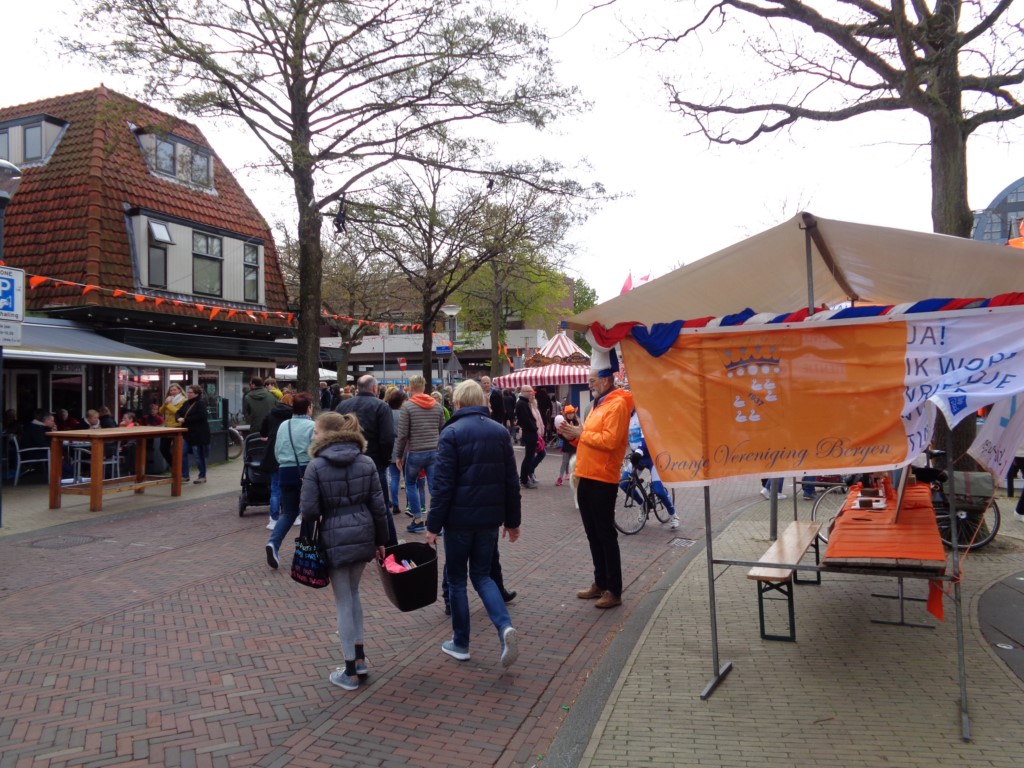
x: 778, y: 573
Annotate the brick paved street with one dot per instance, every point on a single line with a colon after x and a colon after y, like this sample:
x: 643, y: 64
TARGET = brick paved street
x: 155, y: 634
x: 161, y: 637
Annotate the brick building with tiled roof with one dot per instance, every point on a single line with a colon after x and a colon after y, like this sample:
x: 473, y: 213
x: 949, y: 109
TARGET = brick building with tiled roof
x: 128, y: 223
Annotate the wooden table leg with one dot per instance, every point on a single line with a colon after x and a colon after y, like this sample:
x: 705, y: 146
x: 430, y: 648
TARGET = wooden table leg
x: 56, y: 454
x: 96, y: 476
x: 140, y: 463
x: 176, y: 448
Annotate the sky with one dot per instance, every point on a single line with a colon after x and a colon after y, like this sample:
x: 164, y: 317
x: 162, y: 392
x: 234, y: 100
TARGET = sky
x: 681, y: 199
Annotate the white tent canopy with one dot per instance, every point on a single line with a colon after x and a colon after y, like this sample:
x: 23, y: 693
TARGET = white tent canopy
x: 292, y: 373
x: 545, y: 375
x: 867, y: 264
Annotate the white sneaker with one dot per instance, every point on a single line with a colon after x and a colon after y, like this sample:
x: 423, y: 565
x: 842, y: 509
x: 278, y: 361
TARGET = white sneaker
x: 298, y: 520
x: 1018, y: 517
x: 272, y: 524
x: 674, y: 522
x: 765, y: 492
x: 782, y: 496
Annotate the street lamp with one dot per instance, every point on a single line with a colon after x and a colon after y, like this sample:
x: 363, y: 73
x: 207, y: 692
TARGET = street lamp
x: 451, y: 310
x: 10, y: 180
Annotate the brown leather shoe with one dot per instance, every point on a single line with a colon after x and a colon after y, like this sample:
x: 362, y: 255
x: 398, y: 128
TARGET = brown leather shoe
x: 608, y: 600
x: 592, y: 593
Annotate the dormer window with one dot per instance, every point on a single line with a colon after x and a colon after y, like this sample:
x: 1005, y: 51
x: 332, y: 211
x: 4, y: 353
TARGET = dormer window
x: 176, y: 158
x: 30, y: 140
x: 165, y: 160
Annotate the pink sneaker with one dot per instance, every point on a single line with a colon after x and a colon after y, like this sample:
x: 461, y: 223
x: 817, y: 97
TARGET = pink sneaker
x: 558, y: 481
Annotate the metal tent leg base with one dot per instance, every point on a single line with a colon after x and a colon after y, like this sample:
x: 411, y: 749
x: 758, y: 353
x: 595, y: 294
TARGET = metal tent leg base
x: 720, y: 677
x: 902, y: 598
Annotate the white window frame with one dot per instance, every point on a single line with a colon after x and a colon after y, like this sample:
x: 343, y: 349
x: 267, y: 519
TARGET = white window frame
x: 24, y: 143
x: 159, y: 232
x: 174, y: 157
x: 201, y: 254
x: 250, y: 272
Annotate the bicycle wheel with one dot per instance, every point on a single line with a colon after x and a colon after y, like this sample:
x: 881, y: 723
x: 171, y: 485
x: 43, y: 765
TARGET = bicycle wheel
x: 657, y: 505
x: 827, y: 507
x: 974, y: 529
x: 235, y: 444
x: 630, y: 514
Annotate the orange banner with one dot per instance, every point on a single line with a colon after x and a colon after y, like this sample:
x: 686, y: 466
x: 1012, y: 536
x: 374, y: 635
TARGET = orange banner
x: 776, y: 403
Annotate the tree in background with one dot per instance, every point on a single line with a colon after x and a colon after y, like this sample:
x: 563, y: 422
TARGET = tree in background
x: 334, y: 91
x: 583, y: 298
x: 357, y: 284
x: 440, y: 227
x: 524, y: 280
x: 956, y: 64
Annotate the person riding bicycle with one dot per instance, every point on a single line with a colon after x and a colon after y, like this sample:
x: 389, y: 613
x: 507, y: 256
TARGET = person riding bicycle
x: 637, y: 444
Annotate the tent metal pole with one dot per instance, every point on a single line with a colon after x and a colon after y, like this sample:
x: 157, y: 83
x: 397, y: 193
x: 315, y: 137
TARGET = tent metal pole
x: 810, y: 271
x: 965, y: 718
x: 718, y: 673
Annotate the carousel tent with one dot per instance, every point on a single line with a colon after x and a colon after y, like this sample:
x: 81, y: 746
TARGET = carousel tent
x: 544, y: 376
x: 560, y: 361
x: 560, y: 349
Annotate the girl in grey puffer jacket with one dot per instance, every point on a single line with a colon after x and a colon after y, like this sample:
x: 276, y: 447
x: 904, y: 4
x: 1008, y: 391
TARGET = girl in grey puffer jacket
x: 341, y: 489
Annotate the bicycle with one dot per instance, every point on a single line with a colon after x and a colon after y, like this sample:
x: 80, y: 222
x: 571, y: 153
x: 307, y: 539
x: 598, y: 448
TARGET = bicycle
x: 236, y: 440
x: 636, y: 502
x: 977, y: 522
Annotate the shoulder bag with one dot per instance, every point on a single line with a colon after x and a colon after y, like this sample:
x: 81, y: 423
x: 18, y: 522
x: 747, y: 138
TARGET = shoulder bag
x: 309, y: 563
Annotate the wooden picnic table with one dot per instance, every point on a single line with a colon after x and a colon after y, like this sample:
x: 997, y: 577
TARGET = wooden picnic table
x: 904, y: 539
x: 98, y: 440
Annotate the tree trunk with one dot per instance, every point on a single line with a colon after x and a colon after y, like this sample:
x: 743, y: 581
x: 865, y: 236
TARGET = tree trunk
x: 951, y: 215
x: 497, y: 302
x: 311, y: 269
x: 427, y: 348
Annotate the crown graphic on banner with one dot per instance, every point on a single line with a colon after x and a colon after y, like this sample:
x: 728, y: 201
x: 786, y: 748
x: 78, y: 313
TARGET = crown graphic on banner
x: 758, y: 362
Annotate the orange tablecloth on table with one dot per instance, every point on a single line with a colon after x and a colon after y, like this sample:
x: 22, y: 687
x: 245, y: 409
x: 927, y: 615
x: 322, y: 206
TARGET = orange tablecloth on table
x: 865, y: 534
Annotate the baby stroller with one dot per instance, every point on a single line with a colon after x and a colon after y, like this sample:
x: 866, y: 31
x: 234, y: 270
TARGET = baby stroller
x: 255, y: 483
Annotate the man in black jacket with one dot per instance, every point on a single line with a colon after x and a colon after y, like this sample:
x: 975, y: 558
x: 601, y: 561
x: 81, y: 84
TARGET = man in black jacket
x: 378, y: 427
x: 494, y: 399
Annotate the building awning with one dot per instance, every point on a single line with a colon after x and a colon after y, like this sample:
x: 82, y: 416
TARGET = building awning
x: 62, y: 341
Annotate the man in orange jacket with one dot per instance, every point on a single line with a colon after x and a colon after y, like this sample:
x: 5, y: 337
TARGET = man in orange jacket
x: 600, y: 447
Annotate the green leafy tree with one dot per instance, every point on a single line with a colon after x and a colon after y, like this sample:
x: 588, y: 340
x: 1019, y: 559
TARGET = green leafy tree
x: 334, y: 91
x: 583, y: 298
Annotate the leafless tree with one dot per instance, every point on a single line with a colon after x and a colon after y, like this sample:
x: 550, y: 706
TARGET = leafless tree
x: 956, y: 64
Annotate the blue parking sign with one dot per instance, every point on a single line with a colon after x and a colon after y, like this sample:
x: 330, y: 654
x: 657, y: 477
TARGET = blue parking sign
x: 12, y: 294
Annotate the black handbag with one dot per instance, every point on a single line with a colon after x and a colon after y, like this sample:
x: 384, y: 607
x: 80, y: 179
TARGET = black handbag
x: 309, y: 563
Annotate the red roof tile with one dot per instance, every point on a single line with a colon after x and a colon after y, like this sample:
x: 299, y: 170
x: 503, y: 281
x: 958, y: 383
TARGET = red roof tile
x: 67, y: 221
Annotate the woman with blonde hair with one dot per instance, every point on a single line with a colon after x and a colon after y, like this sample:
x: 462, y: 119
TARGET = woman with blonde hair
x: 341, y: 491
x: 169, y: 410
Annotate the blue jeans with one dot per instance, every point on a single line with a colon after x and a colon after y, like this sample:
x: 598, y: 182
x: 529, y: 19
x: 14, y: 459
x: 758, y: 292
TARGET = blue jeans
x: 474, y: 548
x: 392, y: 533
x: 275, y: 497
x: 200, y: 453
x: 394, y: 478
x: 414, y: 462
x: 291, y: 486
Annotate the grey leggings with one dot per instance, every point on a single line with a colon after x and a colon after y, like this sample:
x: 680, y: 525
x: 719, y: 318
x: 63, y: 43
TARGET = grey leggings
x: 345, y: 584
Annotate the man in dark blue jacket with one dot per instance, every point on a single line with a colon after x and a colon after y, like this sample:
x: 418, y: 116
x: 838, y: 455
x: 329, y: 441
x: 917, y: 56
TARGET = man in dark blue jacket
x: 475, y: 492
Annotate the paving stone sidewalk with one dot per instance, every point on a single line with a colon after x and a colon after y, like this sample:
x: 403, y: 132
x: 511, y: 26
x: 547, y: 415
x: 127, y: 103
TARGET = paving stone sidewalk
x: 847, y: 694
x: 157, y: 635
